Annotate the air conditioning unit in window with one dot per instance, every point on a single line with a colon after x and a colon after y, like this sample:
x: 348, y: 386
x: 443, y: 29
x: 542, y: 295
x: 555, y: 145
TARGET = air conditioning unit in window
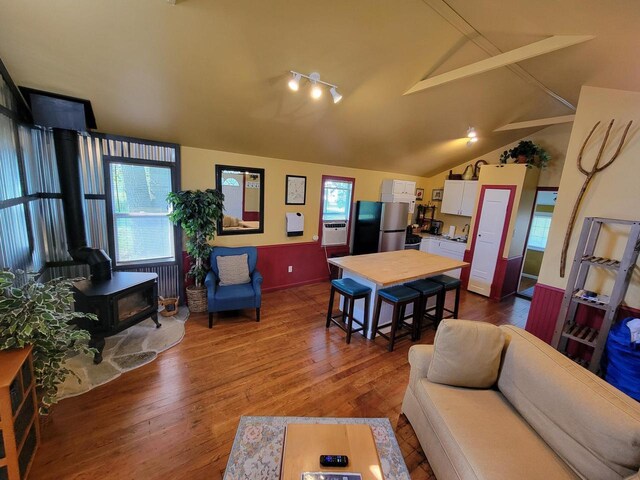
x: 334, y: 233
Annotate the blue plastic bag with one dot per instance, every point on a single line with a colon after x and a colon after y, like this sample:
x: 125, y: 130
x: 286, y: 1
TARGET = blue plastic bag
x: 621, y: 360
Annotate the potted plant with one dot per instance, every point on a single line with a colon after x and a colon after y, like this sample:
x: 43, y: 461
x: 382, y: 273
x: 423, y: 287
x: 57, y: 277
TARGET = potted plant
x: 198, y: 213
x: 41, y: 315
x: 527, y: 152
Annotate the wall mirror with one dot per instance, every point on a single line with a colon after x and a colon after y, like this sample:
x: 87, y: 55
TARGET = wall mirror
x: 243, y: 190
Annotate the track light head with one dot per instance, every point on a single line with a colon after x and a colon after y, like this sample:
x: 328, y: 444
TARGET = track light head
x: 316, y: 91
x: 294, y: 83
x: 471, y: 132
x: 336, y: 96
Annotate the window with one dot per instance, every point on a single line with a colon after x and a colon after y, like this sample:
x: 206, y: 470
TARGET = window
x: 336, y: 198
x: 539, y: 231
x: 143, y: 232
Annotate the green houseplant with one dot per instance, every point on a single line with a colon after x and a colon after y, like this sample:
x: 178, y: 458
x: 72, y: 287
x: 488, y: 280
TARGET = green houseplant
x: 197, y: 212
x: 527, y: 152
x: 41, y: 315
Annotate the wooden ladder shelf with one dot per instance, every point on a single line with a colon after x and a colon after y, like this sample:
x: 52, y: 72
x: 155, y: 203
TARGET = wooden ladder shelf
x: 566, y: 327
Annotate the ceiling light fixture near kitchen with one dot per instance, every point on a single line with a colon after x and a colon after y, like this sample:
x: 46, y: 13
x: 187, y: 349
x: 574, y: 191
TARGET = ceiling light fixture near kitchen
x: 472, y: 135
x: 316, y: 85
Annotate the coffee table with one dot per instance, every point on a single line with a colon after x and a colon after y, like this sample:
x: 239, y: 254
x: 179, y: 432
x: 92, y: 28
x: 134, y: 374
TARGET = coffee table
x: 259, y: 445
x: 305, y: 442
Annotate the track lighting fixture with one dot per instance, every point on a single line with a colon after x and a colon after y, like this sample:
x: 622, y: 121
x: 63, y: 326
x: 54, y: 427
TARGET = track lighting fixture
x: 336, y: 96
x: 316, y: 85
x: 294, y: 83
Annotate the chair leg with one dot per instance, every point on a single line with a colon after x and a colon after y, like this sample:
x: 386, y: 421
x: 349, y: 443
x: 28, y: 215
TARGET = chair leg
x: 350, y: 323
x: 395, y: 319
x: 376, y: 317
x: 258, y: 314
x: 210, y: 319
x: 330, y: 309
x: 457, y: 302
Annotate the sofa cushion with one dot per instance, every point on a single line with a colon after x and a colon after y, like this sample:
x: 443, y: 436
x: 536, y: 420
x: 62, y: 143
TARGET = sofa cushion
x: 591, y: 425
x: 484, y: 438
x: 466, y: 354
x: 233, y: 269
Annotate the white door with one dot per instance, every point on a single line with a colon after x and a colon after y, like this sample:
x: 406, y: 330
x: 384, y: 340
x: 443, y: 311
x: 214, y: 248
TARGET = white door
x: 488, y: 236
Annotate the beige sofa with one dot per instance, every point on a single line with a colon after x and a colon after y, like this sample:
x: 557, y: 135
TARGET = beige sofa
x: 546, y: 418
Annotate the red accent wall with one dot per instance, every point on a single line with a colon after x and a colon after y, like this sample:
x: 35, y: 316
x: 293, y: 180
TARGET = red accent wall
x: 307, y: 259
x: 545, y: 306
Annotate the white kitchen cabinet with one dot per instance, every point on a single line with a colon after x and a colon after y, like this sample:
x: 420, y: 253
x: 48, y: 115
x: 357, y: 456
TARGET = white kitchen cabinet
x: 399, y: 187
x: 444, y: 248
x: 459, y: 197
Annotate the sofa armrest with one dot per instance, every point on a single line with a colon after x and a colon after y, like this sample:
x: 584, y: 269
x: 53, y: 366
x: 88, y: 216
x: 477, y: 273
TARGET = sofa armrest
x: 419, y: 359
x: 211, y: 281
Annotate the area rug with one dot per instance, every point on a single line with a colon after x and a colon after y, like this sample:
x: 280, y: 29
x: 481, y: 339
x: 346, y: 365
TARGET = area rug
x: 129, y: 349
x: 257, y: 449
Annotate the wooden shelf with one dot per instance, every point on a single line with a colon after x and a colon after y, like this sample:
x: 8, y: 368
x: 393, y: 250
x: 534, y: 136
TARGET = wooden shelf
x: 582, y: 333
x: 16, y: 368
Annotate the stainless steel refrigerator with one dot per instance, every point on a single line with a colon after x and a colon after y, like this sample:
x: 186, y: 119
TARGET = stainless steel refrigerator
x: 378, y: 227
x: 393, y: 226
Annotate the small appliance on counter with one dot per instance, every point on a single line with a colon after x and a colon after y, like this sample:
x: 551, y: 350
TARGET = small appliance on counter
x: 436, y: 227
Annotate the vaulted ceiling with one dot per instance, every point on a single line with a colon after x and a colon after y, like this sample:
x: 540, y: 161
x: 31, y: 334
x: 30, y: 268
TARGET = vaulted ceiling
x: 213, y: 74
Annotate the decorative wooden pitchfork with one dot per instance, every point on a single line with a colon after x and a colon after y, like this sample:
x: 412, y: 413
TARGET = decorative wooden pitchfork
x: 589, y: 174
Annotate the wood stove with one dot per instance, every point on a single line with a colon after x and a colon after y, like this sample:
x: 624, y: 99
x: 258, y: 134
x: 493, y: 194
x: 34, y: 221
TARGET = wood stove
x: 124, y: 300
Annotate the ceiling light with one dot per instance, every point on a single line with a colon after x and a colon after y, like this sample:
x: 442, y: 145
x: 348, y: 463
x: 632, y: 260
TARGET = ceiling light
x: 316, y: 91
x: 471, y: 141
x: 471, y: 132
x: 316, y: 85
x: 336, y: 96
x: 294, y: 83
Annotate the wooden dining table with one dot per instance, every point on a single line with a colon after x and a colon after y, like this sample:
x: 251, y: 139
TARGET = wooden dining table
x: 380, y: 270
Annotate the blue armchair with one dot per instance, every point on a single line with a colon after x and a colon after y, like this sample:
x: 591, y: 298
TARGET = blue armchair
x: 233, y: 297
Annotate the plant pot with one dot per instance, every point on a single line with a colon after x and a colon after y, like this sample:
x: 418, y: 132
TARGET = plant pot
x: 521, y: 159
x: 197, y: 299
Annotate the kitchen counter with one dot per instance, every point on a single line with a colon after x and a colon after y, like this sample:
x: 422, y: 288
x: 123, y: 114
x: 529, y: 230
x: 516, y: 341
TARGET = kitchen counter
x: 391, y: 268
x: 440, y: 237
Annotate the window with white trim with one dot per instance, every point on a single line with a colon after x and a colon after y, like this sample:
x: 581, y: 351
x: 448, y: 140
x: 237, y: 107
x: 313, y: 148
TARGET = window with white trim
x: 337, y: 196
x: 143, y: 232
x: 539, y: 232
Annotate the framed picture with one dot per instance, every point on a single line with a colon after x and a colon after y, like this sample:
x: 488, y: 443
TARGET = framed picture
x: 296, y: 190
x: 436, y: 193
x: 419, y: 194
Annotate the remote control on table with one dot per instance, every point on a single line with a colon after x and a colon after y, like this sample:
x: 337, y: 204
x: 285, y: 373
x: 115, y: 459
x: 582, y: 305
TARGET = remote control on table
x: 334, y: 460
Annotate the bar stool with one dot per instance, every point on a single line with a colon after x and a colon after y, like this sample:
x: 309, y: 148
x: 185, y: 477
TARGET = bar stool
x: 350, y: 291
x: 399, y: 297
x: 427, y: 290
x: 449, y: 283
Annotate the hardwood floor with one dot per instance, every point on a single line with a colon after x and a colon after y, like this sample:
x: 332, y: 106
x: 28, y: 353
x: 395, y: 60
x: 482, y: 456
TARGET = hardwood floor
x: 176, y: 417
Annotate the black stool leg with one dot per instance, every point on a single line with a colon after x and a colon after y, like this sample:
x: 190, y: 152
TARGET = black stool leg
x: 330, y: 309
x: 457, y: 302
x: 365, y: 319
x: 395, y: 319
x: 350, y: 324
x: 419, y: 308
x: 376, y: 317
x: 440, y: 306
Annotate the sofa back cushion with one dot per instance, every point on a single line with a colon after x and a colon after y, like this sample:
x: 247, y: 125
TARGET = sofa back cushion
x: 594, y: 427
x: 466, y: 354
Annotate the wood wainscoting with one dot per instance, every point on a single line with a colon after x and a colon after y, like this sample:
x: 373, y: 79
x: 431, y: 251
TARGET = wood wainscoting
x: 307, y: 259
x: 545, y: 307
